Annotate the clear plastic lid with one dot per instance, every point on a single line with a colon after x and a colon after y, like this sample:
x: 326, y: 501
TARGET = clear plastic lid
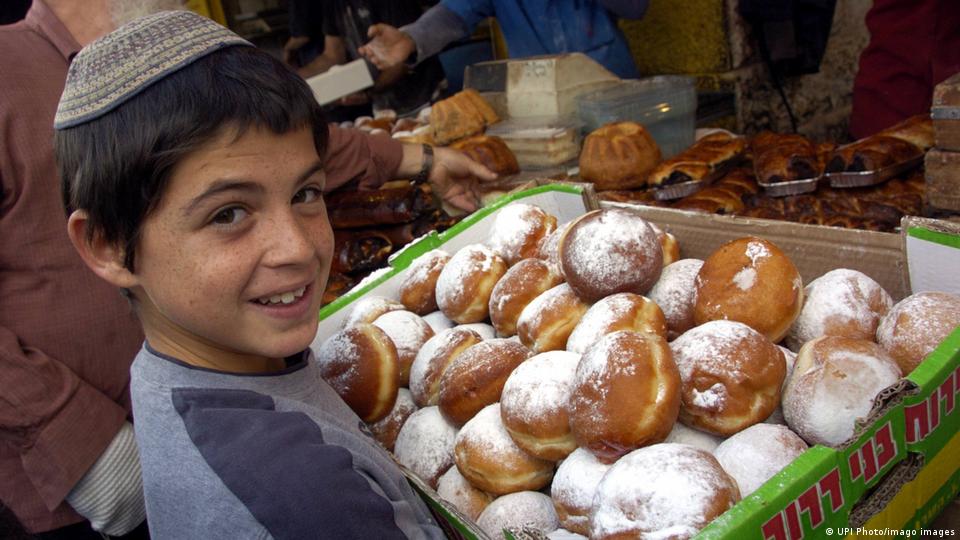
x: 651, y: 92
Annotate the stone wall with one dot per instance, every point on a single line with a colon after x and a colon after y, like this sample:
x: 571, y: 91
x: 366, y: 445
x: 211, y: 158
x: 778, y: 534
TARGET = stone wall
x: 708, y: 39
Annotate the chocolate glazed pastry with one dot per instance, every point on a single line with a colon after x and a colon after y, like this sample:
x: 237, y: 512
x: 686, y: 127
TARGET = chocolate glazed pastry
x: 359, y: 251
x: 783, y: 158
x: 352, y: 209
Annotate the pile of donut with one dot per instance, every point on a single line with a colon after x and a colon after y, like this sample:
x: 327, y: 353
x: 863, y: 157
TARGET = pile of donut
x: 530, y: 381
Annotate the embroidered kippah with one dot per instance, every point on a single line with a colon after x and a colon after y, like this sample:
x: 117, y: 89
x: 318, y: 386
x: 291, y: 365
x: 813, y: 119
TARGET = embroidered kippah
x: 116, y: 67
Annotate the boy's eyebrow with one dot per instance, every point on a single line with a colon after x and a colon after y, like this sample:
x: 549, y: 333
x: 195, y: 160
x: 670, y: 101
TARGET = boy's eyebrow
x: 226, y: 184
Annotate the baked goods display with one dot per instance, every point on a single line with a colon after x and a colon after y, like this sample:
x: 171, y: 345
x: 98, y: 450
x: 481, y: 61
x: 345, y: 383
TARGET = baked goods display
x: 841, y: 302
x: 618, y: 156
x: 915, y: 325
x: 361, y: 364
x: 833, y: 385
x: 626, y: 394
x: 489, y: 151
x: 609, y: 251
x: 755, y: 454
x: 461, y: 115
x: 528, y: 509
x: 518, y: 230
x: 466, y: 282
x: 704, y: 158
x: 408, y: 332
x: 899, y: 143
x: 751, y: 281
x: 368, y: 308
x: 386, y: 429
x: 731, y: 376
x: 662, y: 491
x: 560, y: 422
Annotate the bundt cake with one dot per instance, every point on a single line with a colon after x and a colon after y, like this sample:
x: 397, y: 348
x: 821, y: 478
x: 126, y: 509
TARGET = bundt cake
x: 618, y: 156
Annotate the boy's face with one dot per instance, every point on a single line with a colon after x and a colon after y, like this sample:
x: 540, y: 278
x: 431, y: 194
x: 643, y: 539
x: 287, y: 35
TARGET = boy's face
x: 232, y: 264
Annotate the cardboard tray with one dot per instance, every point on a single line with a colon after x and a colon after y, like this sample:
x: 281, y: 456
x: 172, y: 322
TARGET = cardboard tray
x: 903, y: 463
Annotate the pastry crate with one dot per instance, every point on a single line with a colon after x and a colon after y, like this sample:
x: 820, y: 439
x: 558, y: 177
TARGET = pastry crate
x: 902, y: 465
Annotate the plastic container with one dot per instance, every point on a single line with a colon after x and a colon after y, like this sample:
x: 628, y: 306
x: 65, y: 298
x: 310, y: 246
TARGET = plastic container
x: 540, y: 143
x: 665, y: 105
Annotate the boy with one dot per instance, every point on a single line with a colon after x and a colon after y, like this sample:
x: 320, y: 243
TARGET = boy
x: 192, y: 165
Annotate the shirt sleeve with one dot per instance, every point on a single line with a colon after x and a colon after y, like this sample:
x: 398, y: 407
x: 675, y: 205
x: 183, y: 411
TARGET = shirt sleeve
x: 353, y: 155
x: 435, y: 29
x: 59, y: 424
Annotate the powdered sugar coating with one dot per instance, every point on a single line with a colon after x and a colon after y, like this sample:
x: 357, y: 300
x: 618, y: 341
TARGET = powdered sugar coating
x: 563, y: 534
x: 537, y: 325
x: 386, y: 429
x: 661, y: 491
x: 610, y: 251
x: 454, y: 488
x: 518, y: 229
x: 529, y: 509
x: 676, y: 293
x: 712, y: 346
x: 425, y: 444
x: 339, y: 361
x: 540, y: 387
x: 914, y: 327
x: 841, y: 302
x: 418, y: 289
x: 833, y: 386
x: 438, y: 321
x: 549, y: 248
x: 368, y: 308
x: 409, y: 332
x: 682, y: 434
x: 574, y: 486
x: 757, y: 453
x: 486, y: 431
x: 790, y: 358
x: 616, y: 312
x: 485, y: 330
x: 426, y: 369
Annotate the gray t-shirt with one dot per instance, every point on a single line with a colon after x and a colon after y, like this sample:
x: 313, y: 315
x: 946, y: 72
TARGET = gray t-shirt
x: 262, y: 456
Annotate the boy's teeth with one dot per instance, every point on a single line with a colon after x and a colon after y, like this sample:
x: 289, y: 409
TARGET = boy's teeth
x: 285, y: 298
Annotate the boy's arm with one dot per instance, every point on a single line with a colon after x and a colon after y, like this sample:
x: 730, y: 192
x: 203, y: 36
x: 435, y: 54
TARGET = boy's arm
x: 427, y: 36
x: 375, y: 159
x: 58, y: 424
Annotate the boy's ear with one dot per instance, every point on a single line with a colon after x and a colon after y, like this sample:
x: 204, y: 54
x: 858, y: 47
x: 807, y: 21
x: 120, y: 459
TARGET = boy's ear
x: 103, y: 257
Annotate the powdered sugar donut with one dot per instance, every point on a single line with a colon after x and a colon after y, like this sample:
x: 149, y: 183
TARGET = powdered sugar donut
x: 843, y: 303
x: 751, y: 281
x: 418, y: 290
x: 626, y: 394
x: 476, y: 377
x: 833, y: 385
x: 526, y: 509
x: 438, y: 321
x: 621, y: 311
x: 360, y: 363
x: 454, y: 488
x: 757, y: 453
x: 368, y: 308
x: 434, y: 358
x: 661, y: 491
x: 534, y: 404
x: 426, y: 444
x: 732, y: 376
x: 549, y: 248
x: 668, y: 243
x: 489, y: 459
x: 790, y: 357
x: 386, y: 429
x: 517, y: 231
x: 610, y: 251
x: 675, y: 292
x: 916, y: 325
x: 466, y: 281
x: 522, y: 283
x: 573, y: 489
x: 547, y: 321
x: 563, y: 534
x: 682, y: 434
x: 483, y: 329
x: 409, y: 332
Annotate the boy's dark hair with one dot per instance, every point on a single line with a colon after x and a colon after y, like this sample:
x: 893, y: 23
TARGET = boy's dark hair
x: 116, y: 166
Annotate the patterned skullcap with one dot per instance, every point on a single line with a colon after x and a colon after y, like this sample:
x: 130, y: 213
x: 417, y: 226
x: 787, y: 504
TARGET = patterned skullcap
x: 118, y: 66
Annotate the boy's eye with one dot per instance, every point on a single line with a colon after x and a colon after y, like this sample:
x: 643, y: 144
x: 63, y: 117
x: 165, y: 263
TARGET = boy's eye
x: 229, y: 216
x: 307, y: 195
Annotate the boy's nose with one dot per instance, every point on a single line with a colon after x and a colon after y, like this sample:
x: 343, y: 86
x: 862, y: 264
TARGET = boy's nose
x: 288, y: 240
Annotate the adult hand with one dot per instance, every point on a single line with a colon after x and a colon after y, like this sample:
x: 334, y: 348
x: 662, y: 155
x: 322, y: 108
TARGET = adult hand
x: 388, y: 46
x: 290, y: 48
x: 454, y: 176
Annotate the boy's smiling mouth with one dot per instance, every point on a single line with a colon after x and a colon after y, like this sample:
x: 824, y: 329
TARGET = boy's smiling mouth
x: 288, y: 297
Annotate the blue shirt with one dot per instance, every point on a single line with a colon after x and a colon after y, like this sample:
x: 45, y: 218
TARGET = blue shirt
x: 536, y: 27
